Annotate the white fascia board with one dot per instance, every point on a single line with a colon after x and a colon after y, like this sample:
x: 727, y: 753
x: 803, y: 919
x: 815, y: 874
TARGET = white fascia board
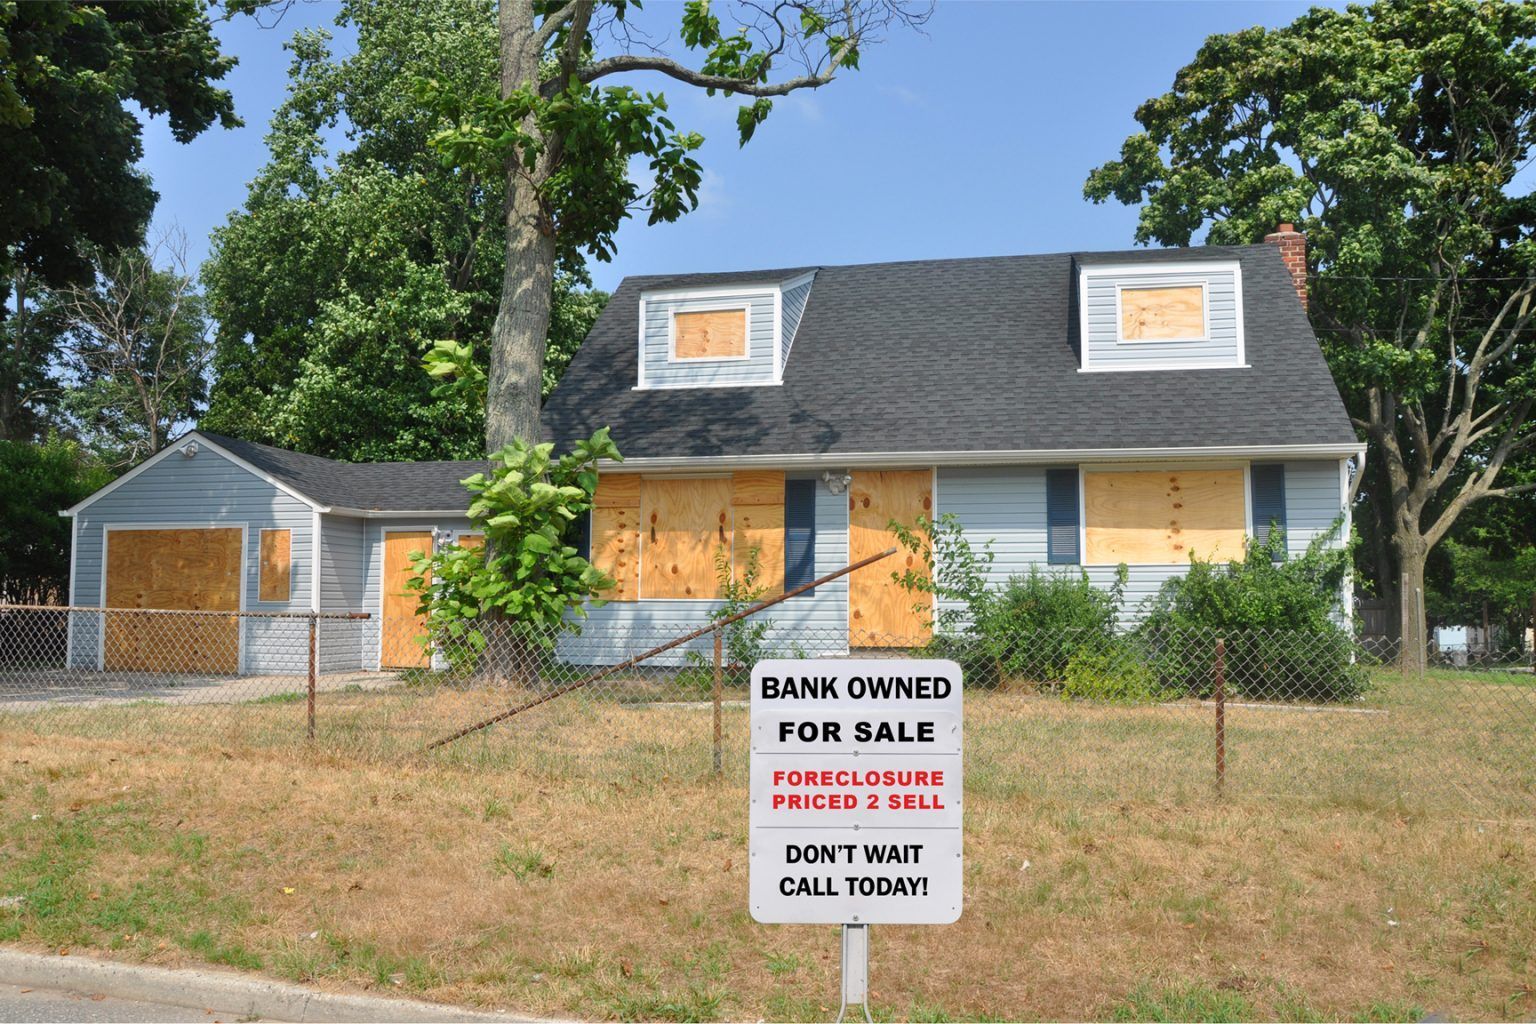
x: 1152, y: 269
x: 173, y: 448
x: 375, y: 513
x: 843, y: 460
x: 711, y: 291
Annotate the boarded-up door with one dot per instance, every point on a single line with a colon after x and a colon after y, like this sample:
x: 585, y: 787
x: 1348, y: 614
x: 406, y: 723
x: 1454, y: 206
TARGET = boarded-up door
x: 881, y: 613
x: 181, y: 570
x: 402, y: 629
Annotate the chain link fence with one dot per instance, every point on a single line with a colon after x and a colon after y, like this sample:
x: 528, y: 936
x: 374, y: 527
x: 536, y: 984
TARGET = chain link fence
x: 1088, y: 716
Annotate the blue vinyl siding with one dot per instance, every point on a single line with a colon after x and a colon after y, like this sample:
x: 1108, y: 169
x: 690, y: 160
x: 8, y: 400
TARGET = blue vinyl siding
x: 819, y: 621
x: 792, y: 307
x: 1104, y: 351
x: 343, y: 583
x: 762, y: 353
x: 207, y: 490
x: 1314, y: 500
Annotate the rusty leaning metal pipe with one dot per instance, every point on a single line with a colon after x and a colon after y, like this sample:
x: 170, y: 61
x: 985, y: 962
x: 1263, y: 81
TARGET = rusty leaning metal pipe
x: 561, y: 691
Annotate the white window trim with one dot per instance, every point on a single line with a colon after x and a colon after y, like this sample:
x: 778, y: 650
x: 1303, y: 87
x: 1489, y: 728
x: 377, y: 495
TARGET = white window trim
x: 1203, y: 268
x: 1121, y: 288
x: 1082, y: 505
x: 107, y: 530
x: 673, y: 359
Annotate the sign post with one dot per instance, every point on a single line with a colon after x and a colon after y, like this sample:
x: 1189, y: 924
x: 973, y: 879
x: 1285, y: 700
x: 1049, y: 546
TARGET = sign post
x: 856, y: 794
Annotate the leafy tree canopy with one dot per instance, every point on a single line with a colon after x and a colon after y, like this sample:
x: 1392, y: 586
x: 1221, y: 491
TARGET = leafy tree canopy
x: 36, y: 480
x: 345, y: 266
x: 1393, y: 135
x: 68, y: 147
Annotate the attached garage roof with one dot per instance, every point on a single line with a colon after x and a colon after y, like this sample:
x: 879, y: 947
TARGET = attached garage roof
x: 364, y: 486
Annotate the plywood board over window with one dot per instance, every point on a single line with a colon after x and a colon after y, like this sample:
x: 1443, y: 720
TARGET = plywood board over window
x: 1162, y: 314
x: 1162, y: 517
x: 616, y: 549
x: 276, y: 565
x: 757, y: 507
x: 880, y: 612
x: 683, y: 524
x: 710, y: 334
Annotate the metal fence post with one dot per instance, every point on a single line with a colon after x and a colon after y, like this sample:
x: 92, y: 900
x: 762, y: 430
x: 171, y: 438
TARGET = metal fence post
x: 1219, y: 670
x: 313, y: 657
x: 719, y: 686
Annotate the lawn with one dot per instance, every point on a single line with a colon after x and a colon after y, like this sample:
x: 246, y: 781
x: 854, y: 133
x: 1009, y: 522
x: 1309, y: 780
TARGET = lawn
x: 1377, y: 862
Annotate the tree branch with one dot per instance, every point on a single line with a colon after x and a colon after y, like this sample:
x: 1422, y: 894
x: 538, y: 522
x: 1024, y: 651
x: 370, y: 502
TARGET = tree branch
x: 725, y: 83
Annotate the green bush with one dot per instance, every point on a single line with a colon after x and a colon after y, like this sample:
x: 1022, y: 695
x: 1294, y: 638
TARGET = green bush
x: 1036, y: 623
x: 1113, y: 675
x: 1029, y: 628
x: 1278, y: 616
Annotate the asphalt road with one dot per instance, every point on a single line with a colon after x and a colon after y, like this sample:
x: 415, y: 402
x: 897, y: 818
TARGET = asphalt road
x: 47, y: 1006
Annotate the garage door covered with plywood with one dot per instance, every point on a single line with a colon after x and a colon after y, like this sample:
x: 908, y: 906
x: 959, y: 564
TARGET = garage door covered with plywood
x: 880, y: 612
x: 1161, y: 517
x: 176, y: 569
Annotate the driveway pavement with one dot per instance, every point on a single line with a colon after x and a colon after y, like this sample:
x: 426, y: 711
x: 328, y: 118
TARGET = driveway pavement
x: 36, y: 689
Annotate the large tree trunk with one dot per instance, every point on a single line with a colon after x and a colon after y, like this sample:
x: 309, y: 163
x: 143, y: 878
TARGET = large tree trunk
x: 1411, y: 555
x: 521, y: 329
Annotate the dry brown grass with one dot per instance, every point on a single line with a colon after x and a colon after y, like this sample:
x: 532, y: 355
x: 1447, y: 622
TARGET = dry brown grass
x: 580, y: 861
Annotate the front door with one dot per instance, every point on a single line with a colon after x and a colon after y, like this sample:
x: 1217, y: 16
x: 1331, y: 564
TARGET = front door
x: 882, y: 613
x: 403, y: 631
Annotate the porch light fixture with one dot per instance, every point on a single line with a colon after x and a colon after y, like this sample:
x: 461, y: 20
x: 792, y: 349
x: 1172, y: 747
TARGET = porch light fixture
x: 837, y: 483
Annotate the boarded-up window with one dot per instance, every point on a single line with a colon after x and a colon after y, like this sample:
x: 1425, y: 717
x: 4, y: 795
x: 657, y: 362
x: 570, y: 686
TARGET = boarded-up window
x: 615, y: 534
x: 757, y: 506
x: 1162, y: 517
x: 1162, y: 314
x: 683, y: 524
x: 276, y: 565
x: 710, y: 334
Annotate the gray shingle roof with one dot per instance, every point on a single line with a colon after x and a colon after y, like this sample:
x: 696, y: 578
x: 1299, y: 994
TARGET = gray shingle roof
x: 964, y: 355
x: 372, y: 486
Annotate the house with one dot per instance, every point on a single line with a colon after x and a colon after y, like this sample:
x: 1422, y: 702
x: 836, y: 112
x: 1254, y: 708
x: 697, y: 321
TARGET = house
x: 1072, y: 409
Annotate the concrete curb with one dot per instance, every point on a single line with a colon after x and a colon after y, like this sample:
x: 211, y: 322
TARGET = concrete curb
x: 236, y: 995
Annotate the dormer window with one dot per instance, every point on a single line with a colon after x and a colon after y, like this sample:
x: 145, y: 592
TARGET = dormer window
x: 1176, y: 313
x: 710, y: 334
x: 720, y: 335
x: 1156, y: 315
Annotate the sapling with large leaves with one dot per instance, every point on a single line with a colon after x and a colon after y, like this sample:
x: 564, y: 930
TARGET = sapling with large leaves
x: 528, y: 582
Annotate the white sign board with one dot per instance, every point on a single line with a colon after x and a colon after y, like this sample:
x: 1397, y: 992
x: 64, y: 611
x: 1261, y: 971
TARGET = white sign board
x: 856, y: 791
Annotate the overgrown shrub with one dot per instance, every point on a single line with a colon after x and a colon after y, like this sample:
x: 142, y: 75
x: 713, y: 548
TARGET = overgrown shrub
x: 1028, y: 628
x: 1280, y: 619
x: 1039, y: 620
x: 1115, y: 675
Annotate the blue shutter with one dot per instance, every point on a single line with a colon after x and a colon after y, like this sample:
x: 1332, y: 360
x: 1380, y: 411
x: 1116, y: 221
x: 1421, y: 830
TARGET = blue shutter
x: 799, y: 533
x: 581, y: 535
x: 1061, y: 516
x: 1268, y: 484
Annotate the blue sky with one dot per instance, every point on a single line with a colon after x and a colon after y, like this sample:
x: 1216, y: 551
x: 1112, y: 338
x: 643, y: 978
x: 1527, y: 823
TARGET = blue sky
x: 970, y: 139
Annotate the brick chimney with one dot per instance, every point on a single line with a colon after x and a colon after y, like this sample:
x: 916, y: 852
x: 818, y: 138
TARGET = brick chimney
x: 1293, y: 250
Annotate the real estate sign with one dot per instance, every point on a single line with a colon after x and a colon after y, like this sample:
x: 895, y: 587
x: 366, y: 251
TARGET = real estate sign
x: 856, y: 791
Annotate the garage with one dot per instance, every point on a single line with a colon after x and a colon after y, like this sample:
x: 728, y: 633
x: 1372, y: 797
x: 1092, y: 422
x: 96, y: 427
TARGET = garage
x: 185, y: 569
